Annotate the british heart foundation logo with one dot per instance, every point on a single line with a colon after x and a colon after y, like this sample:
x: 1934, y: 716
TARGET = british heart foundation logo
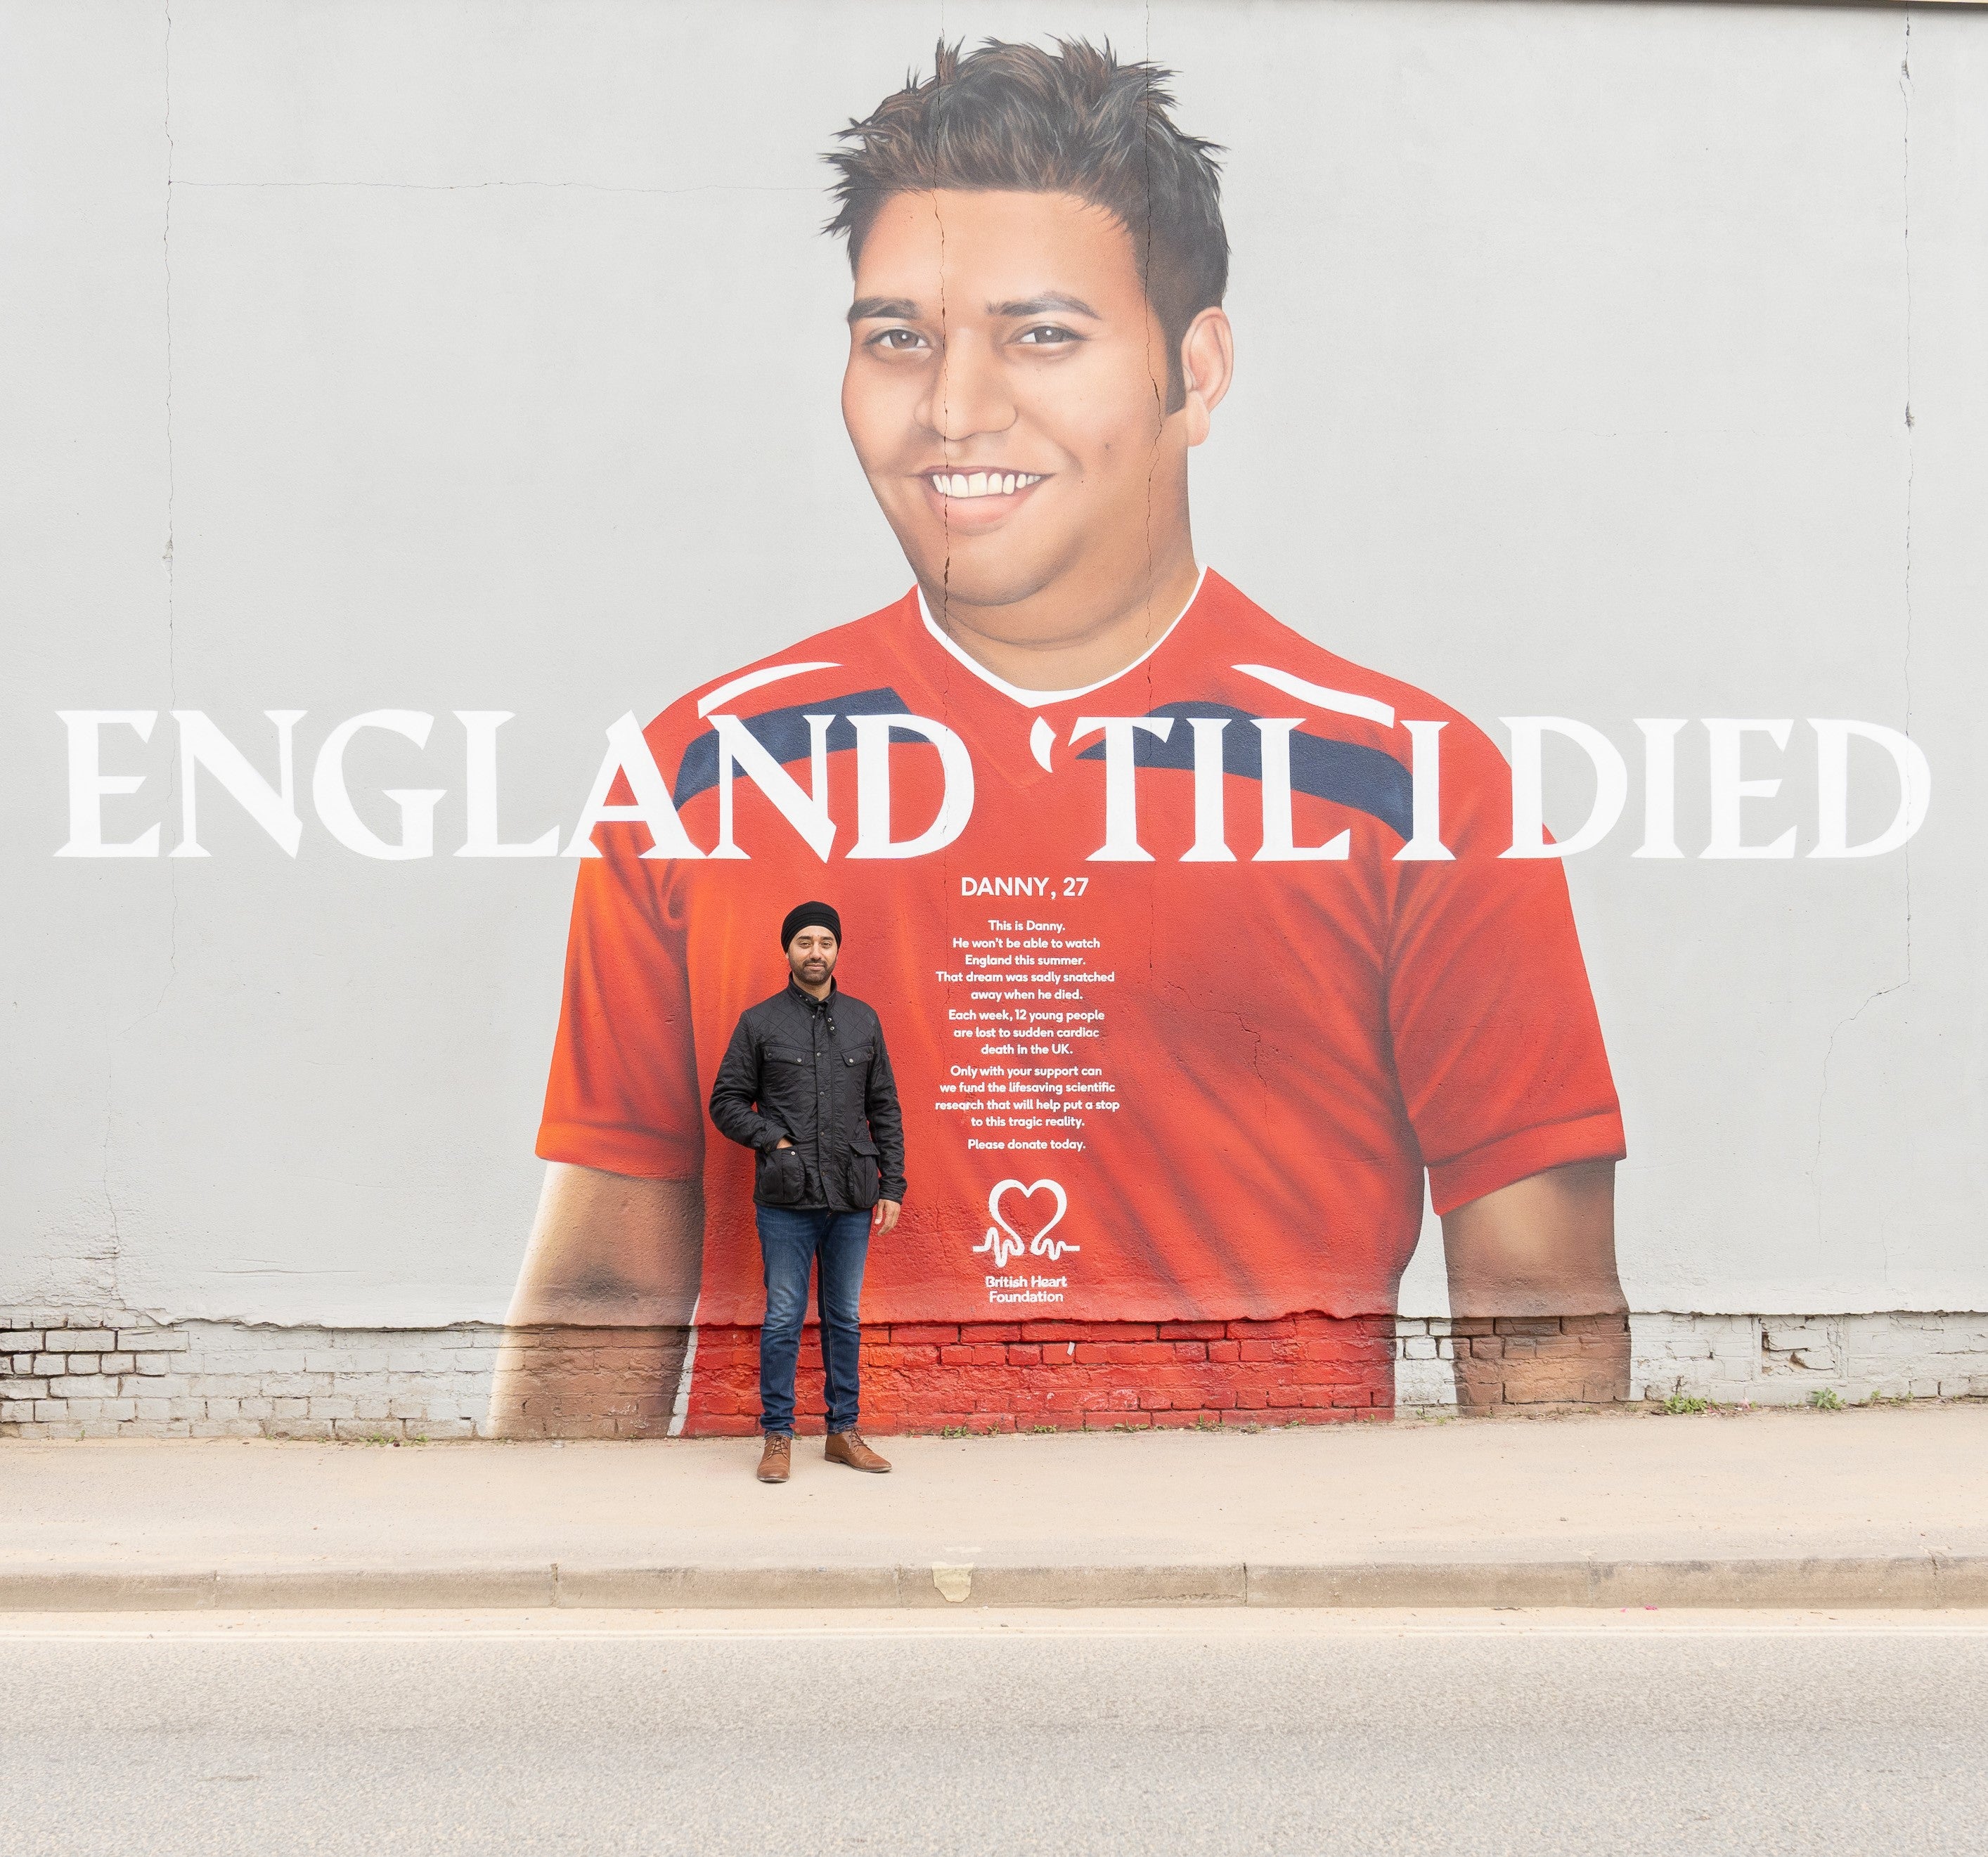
x: 1004, y: 1240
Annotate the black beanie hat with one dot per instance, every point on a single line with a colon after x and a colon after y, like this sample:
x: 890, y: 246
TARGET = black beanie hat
x: 809, y: 915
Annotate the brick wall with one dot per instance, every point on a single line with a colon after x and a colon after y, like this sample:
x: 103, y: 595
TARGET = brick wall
x: 84, y: 1373
x: 1074, y: 1376
x: 106, y: 1373
x: 1786, y: 1360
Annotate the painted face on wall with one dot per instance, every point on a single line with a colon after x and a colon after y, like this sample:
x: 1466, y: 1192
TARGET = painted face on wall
x: 1005, y: 392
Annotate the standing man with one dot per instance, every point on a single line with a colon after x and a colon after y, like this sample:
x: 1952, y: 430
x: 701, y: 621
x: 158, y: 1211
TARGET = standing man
x: 805, y: 1084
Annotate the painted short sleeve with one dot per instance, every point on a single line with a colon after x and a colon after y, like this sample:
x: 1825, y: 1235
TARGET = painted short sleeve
x: 623, y: 1095
x: 1497, y: 1044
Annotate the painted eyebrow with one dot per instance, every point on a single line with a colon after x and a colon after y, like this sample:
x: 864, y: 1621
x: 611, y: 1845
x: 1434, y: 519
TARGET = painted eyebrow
x: 900, y: 308
x: 1052, y: 303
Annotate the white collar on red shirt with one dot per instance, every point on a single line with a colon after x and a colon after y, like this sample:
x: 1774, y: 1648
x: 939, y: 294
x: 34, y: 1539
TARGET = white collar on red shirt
x: 1042, y: 699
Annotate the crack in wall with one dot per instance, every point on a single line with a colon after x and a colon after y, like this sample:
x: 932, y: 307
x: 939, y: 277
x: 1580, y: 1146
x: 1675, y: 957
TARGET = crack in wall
x: 944, y: 410
x: 1906, y: 243
x: 1187, y: 1002
x: 172, y: 480
x: 473, y: 187
x: 1905, y: 253
x: 1152, y: 466
x: 114, y: 1295
x: 114, y: 1259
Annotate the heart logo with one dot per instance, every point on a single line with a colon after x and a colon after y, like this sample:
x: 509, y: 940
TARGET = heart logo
x: 1003, y: 1241
x: 1003, y: 1188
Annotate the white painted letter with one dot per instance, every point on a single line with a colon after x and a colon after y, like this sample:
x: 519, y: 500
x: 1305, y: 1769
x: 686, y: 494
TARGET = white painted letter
x: 1277, y: 846
x: 1832, y: 750
x: 1660, y: 735
x: 333, y: 802
x: 88, y: 785
x: 1209, y: 846
x: 628, y: 753
x: 274, y: 808
x: 1611, y: 786
x: 1121, y: 793
x: 1425, y: 844
x: 480, y: 838
x: 1729, y: 735
x: 873, y: 787
x: 739, y: 747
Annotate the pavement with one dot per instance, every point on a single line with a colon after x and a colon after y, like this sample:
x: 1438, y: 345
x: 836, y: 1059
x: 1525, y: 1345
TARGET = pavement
x: 1883, y: 1507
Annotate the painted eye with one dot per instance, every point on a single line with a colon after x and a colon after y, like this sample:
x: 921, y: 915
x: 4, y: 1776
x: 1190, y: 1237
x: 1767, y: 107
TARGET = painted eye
x: 1048, y: 335
x: 897, y: 341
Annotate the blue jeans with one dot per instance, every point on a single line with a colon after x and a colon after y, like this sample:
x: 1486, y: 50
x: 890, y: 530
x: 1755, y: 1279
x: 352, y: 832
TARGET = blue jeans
x: 791, y: 1240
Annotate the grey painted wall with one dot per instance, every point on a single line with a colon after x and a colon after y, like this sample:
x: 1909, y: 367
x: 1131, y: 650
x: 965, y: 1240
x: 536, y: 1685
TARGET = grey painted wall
x: 366, y: 356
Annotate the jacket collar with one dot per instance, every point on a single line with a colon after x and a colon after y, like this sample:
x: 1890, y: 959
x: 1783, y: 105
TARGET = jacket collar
x: 801, y: 997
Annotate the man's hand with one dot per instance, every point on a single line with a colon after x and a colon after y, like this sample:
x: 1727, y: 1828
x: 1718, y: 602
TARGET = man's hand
x: 783, y: 1143
x: 884, y: 1218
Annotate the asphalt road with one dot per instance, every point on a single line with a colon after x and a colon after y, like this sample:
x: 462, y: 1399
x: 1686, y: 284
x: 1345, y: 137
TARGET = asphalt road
x: 1225, y: 1732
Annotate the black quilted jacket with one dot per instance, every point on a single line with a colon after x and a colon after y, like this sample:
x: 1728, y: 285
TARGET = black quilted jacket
x: 817, y: 1071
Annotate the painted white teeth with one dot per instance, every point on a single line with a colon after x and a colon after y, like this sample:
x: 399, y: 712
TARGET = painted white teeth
x: 982, y: 483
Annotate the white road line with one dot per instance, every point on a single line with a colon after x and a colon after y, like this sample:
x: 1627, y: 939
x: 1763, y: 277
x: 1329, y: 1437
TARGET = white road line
x: 265, y: 1628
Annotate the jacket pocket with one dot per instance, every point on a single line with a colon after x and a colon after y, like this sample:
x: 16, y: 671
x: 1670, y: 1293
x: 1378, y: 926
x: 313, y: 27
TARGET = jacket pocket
x: 782, y: 1178
x: 786, y: 1089
x: 865, y: 1174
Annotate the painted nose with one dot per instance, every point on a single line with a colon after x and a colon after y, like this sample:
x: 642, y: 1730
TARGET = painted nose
x: 969, y: 395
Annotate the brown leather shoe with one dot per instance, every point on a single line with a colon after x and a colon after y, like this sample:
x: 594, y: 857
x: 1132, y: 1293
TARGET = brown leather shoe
x: 777, y: 1459
x: 846, y: 1447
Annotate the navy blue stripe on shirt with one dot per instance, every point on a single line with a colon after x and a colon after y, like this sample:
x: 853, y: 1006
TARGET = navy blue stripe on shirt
x: 783, y: 733
x: 1368, y: 780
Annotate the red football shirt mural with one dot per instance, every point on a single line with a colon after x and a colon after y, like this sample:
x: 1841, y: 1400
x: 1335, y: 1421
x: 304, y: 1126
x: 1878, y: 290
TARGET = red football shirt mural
x: 1176, y: 1028
x: 1197, y: 948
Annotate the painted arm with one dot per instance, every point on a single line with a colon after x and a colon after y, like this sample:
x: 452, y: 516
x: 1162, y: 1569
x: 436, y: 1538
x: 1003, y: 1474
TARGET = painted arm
x: 1534, y: 1298
x: 600, y: 1317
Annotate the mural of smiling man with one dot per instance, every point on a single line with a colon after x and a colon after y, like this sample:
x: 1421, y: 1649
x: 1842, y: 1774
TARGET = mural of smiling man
x: 1203, y: 947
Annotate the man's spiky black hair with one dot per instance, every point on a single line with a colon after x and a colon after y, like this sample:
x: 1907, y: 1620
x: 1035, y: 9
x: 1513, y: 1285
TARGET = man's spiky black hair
x: 1015, y: 118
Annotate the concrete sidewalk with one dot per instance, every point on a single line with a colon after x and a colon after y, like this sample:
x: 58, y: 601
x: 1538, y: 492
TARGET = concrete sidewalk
x: 1861, y: 1507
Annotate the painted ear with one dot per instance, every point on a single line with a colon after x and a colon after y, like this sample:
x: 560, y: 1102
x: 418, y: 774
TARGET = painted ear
x: 1208, y: 364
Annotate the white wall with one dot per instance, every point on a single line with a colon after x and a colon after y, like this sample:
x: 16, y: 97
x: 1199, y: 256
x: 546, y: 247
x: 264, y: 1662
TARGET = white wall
x: 413, y: 355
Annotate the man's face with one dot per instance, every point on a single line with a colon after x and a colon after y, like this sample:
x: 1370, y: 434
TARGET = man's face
x: 811, y: 955
x: 1005, y: 393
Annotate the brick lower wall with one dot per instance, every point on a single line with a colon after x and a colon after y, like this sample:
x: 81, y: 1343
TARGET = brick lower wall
x: 1786, y: 1360
x: 82, y: 1373
x: 97, y: 1372
x: 1073, y: 1376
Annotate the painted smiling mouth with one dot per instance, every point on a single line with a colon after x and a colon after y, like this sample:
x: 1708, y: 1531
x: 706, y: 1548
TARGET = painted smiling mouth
x: 962, y: 483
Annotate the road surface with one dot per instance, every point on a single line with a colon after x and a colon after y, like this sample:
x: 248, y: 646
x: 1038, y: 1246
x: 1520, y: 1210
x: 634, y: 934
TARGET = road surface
x: 1225, y: 1732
